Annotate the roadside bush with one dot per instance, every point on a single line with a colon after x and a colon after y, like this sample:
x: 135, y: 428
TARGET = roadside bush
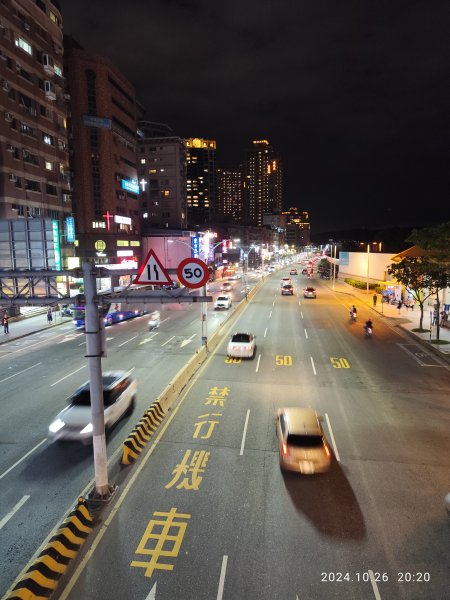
x: 362, y: 285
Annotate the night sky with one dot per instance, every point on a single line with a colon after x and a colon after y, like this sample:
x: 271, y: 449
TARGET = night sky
x: 355, y: 95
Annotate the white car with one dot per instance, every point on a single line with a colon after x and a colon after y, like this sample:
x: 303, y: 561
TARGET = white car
x: 74, y: 423
x: 242, y: 345
x: 226, y: 287
x: 222, y: 302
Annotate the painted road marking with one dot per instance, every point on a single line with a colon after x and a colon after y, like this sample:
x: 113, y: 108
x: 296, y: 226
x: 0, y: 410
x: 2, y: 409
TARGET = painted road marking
x: 340, y: 363
x: 69, y: 375
x: 257, y: 364
x: 152, y: 595
x: 244, y: 433
x: 301, y: 314
x: 306, y: 334
x: 149, y: 339
x: 127, y: 341
x: 336, y: 453
x: 23, y: 458
x: 423, y: 358
x: 20, y: 372
x: 188, y: 341
x: 270, y: 314
x: 169, y: 340
x: 223, y: 570
x: 265, y: 332
x: 374, y: 585
x: 312, y: 363
x: 12, y: 512
x: 283, y: 360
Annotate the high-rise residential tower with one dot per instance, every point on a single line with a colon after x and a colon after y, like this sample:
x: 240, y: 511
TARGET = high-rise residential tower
x: 103, y: 142
x: 229, y: 196
x: 200, y: 181
x: 262, y: 182
x: 34, y: 175
x: 162, y: 176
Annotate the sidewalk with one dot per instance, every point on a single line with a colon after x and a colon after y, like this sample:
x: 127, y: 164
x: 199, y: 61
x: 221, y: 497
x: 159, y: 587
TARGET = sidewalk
x: 20, y: 327
x: 405, y: 318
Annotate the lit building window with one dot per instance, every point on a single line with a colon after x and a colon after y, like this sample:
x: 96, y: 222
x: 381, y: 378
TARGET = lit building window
x: 21, y: 43
x: 142, y: 161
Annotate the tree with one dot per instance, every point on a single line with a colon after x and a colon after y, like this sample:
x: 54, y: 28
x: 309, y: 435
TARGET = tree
x: 420, y: 274
x: 436, y: 240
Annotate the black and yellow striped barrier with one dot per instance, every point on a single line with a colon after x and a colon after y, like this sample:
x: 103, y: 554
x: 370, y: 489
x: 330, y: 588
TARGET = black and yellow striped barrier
x: 42, y: 577
x: 141, y: 434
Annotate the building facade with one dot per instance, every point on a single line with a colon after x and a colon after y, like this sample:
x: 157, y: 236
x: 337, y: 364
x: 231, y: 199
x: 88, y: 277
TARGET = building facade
x: 200, y: 181
x: 103, y: 142
x: 162, y: 177
x: 229, y: 205
x: 34, y: 160
x: 262, y: 182
x: 297, y: 227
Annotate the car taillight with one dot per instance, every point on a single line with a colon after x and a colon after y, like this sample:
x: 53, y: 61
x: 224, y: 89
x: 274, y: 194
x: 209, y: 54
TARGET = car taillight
x: 284, y: 448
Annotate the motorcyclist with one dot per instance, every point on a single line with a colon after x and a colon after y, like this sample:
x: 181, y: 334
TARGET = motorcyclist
x: 353, y: 312
x: 368, y: 325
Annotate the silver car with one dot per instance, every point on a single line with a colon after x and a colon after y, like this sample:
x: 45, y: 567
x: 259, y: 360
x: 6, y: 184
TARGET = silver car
x: 309, y: 292
x: 301, y: 441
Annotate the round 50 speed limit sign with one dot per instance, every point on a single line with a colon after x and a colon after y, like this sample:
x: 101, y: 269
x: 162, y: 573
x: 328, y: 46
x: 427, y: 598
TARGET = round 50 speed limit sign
x: 193, y: 273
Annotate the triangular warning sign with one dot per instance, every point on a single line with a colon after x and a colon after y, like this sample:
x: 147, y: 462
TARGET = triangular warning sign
x: 152, y: 272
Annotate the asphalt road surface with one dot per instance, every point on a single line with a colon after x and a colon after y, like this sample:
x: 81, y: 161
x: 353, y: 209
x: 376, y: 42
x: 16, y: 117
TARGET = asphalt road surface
x: 209, y: 515
x: 40, y: 481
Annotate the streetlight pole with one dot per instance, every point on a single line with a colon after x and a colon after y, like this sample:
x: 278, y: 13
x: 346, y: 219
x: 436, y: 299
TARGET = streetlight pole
x: 368, y: 266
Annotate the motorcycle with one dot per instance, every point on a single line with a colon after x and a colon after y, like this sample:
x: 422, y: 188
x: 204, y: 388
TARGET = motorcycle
x: 368, y: 331
x: 352, y: 315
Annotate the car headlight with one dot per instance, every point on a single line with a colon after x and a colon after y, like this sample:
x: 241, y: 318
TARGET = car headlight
x: 56, y: 426
x: 87, y: 429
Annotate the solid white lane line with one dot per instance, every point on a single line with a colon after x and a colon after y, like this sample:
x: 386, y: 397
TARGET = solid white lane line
x: 69, y: 375
x: 23, y: 458
x: 170, y: 339
x: 374, y: 585
x: 20, y: 372
x: 265, y: 332
x: 222, y: 577
x: 257, y: 364
x: 270, y: 314
x: 312, y: 363
x: 336, y: 453
x: 126, y: 342
x: 306, y: 334
x: 244, y: 433
x: 12, y: 512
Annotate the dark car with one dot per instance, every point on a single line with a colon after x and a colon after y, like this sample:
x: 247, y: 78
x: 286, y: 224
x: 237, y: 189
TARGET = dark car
x: 287, y: 290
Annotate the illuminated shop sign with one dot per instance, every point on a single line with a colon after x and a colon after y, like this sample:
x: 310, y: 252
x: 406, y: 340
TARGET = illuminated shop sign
x: 195, y: 246
x: 124, y: 252
x: 92, y: 121
x: 120, y: 219
x: 131, y: 185
x: 56, y: 245
x: 70, y: 229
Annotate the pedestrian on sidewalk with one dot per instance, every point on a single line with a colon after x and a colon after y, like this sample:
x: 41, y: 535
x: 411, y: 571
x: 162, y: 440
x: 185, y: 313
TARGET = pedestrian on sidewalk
x: 435, y: 316
x: 49, y: 316
x: 5, y: 322
x: 375, y: 298
x: 444, y: 318
x: 399, y: 305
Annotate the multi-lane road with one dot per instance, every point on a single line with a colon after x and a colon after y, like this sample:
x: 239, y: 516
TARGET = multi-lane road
x: 208, y: 514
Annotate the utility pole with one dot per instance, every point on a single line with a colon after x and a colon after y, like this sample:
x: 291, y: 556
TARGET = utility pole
x: 103, y: 490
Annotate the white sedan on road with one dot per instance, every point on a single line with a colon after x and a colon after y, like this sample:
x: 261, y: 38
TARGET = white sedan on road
x: 222, y: 302
x: 242, y: 345
x: 74, y: 423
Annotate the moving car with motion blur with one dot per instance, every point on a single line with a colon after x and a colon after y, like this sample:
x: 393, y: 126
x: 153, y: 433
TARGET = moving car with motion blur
x: 293, y: 272
x: 74, y: 422
x: 301, y: 441
x: 222, y: 302
x: 287, y: 290
x: 242, y: 345
x: 226, y: 287
x: 309, y: 292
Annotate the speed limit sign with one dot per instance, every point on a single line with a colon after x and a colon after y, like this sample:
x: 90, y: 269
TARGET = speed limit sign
x: 193, y: 273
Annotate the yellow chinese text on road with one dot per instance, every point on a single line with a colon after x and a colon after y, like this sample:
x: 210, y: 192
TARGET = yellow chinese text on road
x: 188, y: 473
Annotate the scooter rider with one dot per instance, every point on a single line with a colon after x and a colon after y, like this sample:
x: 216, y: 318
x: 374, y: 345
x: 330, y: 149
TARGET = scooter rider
x: 368, y: 325
x: 353, y: 312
